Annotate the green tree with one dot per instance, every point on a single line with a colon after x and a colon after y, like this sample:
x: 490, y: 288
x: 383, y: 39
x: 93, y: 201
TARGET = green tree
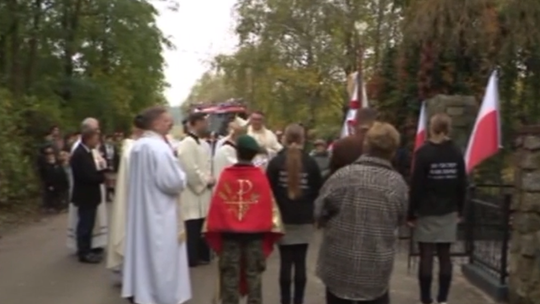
x: 210, y: 88
x: 61, y: 61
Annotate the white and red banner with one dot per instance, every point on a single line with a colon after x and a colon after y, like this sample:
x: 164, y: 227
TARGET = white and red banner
x: 358, y: 100
x: 485, y: 140
x: 421, y: 129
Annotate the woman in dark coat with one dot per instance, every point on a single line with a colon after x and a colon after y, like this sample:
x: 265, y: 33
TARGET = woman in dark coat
x: 295, y: 179
x: 437, y: 194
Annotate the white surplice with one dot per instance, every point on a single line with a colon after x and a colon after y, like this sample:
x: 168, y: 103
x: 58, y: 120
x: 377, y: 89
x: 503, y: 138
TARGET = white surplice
x: 266, y: 139
x: 100, y: 234
x: 195, y: 160
x: 225, y: 156
x: 155, y: 269
x: 117, y: 231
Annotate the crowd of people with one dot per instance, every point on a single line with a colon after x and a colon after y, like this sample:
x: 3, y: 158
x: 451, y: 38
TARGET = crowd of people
x: 179, y: 204
x: 55, y: 172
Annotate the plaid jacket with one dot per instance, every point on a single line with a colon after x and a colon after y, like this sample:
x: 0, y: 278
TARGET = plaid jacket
x: 363, y: 205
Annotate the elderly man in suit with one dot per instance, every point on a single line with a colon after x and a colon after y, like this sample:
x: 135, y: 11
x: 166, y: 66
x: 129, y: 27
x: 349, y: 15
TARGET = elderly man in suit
x: 99, y: 240
x: 86, y: 195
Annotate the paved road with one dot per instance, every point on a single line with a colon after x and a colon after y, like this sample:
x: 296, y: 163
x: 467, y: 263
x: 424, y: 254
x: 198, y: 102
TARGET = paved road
x: 36, y: 267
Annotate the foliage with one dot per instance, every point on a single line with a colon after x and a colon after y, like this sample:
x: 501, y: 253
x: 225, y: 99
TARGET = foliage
x: 211, y: 87
x: 61, y: 61
x: 293, y: 57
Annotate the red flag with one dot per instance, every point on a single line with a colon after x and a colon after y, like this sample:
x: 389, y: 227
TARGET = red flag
x: 485, y: 140
x: 243, y: 203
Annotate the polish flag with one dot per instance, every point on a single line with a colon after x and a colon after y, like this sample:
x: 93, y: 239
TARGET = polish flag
x: 355, y: 103
x: 421, y: 129
x: 485, y: 140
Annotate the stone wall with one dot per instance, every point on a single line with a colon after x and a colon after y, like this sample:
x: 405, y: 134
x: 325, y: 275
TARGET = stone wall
x: 524, y: 272
x: 462, y: 110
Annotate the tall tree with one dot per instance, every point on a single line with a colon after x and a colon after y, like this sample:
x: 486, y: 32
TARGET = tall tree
x: 61, y: 61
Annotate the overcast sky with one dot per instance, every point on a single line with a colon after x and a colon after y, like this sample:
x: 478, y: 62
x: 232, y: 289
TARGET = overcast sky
x: 200, y: 29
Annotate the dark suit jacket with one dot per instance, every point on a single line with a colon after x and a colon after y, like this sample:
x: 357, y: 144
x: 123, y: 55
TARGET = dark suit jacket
x: 345, y: 151
x: 86, y: 178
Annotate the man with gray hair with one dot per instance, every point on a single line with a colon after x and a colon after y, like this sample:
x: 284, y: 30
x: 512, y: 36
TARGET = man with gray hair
x: 99, y: 235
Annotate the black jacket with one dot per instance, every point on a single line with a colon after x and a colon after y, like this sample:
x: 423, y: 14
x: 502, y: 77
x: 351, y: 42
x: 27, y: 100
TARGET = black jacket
x: 438, y: 183
x: 86, y: 178
x: 295, y: 211
x: 54, y: 177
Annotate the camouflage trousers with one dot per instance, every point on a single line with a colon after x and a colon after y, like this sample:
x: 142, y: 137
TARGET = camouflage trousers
x: 237, y: 256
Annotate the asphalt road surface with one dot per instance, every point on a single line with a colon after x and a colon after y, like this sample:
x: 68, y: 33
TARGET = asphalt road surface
x: 37, y: 268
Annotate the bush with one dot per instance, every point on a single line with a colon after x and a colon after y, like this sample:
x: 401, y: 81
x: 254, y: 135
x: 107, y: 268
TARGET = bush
x: 18, y: 180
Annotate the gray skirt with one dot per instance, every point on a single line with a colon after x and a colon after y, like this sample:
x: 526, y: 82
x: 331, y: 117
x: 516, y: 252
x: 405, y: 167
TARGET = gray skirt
x: 297, y: 234
x: 436, y: 229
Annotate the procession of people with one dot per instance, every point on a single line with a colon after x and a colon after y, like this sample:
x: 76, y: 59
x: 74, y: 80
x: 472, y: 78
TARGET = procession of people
x: 182, y: 205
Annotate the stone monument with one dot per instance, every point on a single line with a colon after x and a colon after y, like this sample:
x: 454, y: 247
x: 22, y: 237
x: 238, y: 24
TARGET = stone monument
x: 462, y: 110
x: 524, y: 272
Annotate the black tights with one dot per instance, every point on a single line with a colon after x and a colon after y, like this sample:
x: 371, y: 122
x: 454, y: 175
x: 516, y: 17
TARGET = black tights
x: 425, y: 271
x: 292, y: 256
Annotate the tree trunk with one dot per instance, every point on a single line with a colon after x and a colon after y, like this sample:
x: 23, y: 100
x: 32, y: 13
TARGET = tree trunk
x: 70, y: 24
x: 33, y: 43
x: 15, y: 69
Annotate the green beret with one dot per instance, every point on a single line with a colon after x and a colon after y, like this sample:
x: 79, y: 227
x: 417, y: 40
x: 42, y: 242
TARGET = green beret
x: 247, y: 142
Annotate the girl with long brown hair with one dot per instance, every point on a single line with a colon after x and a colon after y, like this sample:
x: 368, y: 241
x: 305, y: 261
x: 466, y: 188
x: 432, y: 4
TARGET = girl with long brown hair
x: 438, y: 191
x: 295, y: 179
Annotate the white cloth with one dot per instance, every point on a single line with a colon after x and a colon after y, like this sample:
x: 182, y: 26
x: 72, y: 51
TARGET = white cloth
x: 225, y: 156
x: 155, y: 267
x: 221, y: 141
x: 99, y: 236
x: 266, y: 139
x: 117, y: 231
x: 196, y: 162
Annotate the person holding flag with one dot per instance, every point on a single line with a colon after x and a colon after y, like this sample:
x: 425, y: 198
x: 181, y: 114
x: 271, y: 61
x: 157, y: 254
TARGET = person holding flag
x: 438, y: 189
x: 242, y: 225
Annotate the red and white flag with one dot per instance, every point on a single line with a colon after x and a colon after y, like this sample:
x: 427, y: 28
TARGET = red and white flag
x: 355, y: 103
x: 485, y: 140
x: 421, y: 130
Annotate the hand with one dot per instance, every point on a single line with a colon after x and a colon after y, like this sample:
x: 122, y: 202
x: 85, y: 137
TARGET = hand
x: 211, y: 181
x: 411, y: 224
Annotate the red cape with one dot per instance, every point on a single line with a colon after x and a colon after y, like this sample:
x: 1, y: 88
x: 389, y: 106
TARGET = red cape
x: 243, y: 203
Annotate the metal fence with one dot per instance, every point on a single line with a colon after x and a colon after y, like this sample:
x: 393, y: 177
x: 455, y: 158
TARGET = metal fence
x: 488, y: 229
x: 483, y: 236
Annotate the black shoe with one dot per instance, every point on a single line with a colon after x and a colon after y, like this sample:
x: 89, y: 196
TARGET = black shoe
x: 99, y: 252
x: 89, y: 259
x: 203, y: 262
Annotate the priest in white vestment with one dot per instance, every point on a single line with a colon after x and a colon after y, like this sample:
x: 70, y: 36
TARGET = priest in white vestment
x: 194, y: 156
x: 266, y: 139
x: 155, y: 269
x: 117, y: 231
x: 99, y: 238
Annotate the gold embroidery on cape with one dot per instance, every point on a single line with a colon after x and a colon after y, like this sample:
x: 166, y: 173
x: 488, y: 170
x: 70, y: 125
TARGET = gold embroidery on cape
x: 239, y: 202
x: 277, y: 223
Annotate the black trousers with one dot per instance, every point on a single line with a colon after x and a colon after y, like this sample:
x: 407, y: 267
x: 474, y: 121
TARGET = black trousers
x: 333, y: 299
x: 292, y: 258
x: 197, y: 249
x: 52, y: 199
x: 85, y: 228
